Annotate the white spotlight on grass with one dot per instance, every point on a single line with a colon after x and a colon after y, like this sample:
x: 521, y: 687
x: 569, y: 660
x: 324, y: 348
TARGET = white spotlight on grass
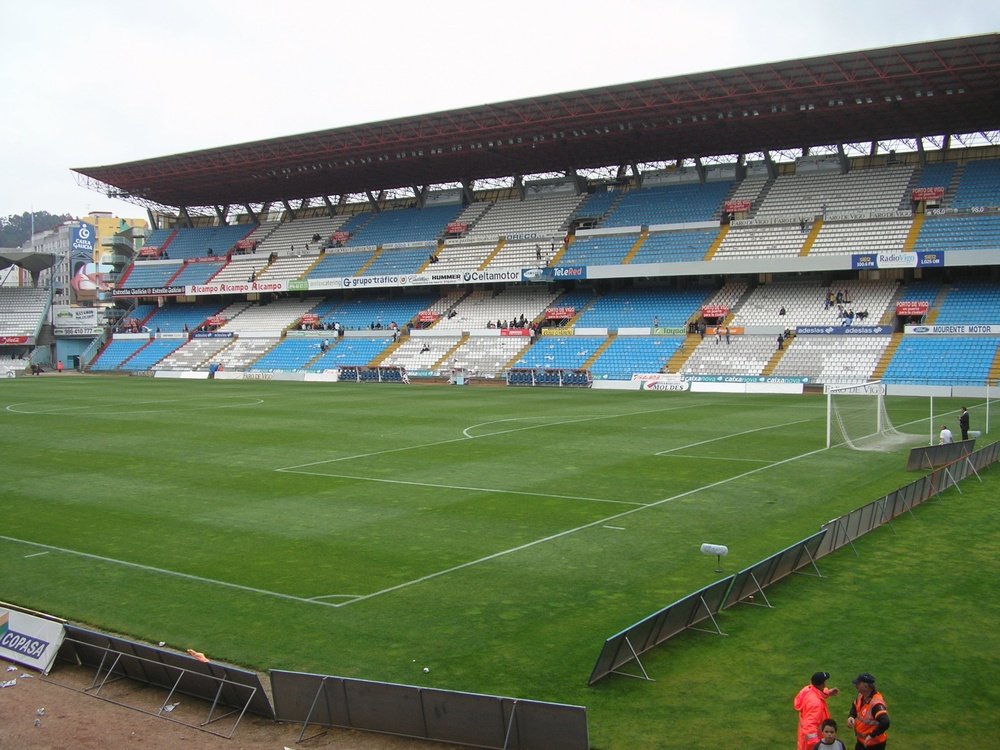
x: 719, y: 550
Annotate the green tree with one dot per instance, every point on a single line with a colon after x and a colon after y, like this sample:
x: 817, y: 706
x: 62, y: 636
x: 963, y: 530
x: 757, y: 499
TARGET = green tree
x: 15, y: 229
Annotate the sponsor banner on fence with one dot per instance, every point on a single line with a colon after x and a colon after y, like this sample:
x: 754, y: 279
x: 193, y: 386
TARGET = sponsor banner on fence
x: 863, y: 261
x: 741, y: 379
x: 28, y: 639
x: 245, y: 287
x: 963, y: 330
x: 844, y: 330
x: 148, y: 291
x: 78, y: 331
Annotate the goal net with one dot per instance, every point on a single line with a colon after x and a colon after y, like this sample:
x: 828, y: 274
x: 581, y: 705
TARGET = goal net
x: 856, y: 416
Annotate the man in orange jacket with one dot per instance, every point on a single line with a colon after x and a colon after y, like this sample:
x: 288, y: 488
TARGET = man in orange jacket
x: 869, y: 716
x: 811, y: 705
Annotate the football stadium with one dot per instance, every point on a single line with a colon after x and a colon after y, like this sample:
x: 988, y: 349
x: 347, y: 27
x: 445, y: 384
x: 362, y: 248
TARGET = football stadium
x: 593, y: 420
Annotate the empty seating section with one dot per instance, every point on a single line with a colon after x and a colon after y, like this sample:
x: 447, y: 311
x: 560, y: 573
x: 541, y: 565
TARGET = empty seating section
x: 196, y: 273
x: 805, y: 304
x: 192, y: 354
x: 22, y: 310
x: 241, y: 268
x: 544, y: 216
x: 970, y: 304
x: 963, y: 360
x: 402, y: 261
x: 936, y: 175
x: 641, y: 307
x: 487, y: 355
x: 671, y: 204
x: 339, y: 262
x: 675, y: 247
x: 405, y: 225
x: 422, y: 353
x: 979, y: 185
x: 888, y: 235
x: 597, y: 204
x: 286, y: 267
x: 634, y: 354
x: 810, y: 194
x: 959, y: 233
x: 763, y: 240
x: 483, y: 306
x: 831, y: 359
x: 367, y: 312
x: 290, y: 354
x: 744, y: 355
x: 149, y: 355
x: 750, y: 189
x: 598, y: 250
x: 158, y: 237
x: 242, y: 352
x: 728, y: 296
x: 173, y: 318
x: 116, y: 352
x: 194, y: 242
x: 524, y: 254
x: 151, y: 273
x: 463, y: 255
x: 561, y: 352
x: 292, y: 236
x: 273, y: 317
x: 350, y: 352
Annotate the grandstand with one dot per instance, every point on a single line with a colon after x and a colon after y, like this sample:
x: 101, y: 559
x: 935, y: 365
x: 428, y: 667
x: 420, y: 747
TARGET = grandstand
x: 684, y: 244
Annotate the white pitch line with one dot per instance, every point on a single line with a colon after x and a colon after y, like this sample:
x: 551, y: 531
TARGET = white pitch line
x: 163, y: 571
x: 493, y: 490
x: 732, y: 435
x: 567, y: 532
x: 466, y: 436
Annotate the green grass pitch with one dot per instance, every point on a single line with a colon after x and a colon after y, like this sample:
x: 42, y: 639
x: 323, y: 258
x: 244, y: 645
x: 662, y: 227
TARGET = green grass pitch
x: 497, y: 536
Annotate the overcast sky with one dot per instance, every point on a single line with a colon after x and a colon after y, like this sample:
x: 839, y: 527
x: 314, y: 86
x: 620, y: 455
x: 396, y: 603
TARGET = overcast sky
x: 109, y: 81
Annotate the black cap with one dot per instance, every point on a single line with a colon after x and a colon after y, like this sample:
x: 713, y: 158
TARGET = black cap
x: 819, y: 678
x: 864, y: 677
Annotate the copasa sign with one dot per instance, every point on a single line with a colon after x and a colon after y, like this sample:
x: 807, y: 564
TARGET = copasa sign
x: 30, y: 640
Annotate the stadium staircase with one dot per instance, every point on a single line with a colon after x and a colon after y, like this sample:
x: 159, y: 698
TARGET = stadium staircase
x: 772, y: 363
x: 813, y: 233
x: 911, y: 238
x: 562, y: 250
x: 887, y: 355
x: 994, y: 374
x: 952, y: 188
x: 489, y: 258
x: 599, y: 351
x: 389, y: 351
x: 443, y: 362
x: 935, y: 306
x: 367, y: 264
x: 683, y: 353
x: 643, y: 235
x: 714, y: 247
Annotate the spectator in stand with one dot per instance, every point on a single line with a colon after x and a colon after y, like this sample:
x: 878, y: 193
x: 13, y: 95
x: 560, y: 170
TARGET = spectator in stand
x: 781, y: 342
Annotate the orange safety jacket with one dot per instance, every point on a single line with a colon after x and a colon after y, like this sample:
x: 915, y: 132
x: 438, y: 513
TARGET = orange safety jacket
x: 866, y: 721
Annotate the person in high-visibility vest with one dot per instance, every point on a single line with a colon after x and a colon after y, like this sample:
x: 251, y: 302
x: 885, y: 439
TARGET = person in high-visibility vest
x: 869, y: 716
x: 810, y: 702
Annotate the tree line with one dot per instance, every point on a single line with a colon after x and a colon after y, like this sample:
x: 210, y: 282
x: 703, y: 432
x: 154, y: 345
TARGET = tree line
x: 15, y: 229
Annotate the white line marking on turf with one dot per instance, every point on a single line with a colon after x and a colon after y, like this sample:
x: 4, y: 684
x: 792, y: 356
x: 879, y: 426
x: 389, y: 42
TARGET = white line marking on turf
x: 36, y: 554
x: 163, y: 571
x: 73, y: 411
x: 567, y: 532
x: 731, y: 435
x: 616, y: 528
x: 494, y: 490
x: 465, y: 436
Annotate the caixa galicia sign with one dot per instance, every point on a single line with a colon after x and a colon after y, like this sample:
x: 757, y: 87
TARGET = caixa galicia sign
x: 81, y: 240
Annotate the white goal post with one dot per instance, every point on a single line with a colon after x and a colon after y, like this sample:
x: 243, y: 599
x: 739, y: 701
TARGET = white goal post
x: 856, y: 416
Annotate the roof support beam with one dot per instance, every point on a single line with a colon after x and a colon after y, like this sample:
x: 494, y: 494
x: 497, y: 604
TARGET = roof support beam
x: 373, y: 201
x: 289, y: 209
x: 250, y: 213
x: 467, y: 195
x: 186, y: 217
x: 330, y: 208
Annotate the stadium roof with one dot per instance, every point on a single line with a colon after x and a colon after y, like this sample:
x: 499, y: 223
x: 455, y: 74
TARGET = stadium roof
x: 911, y: 91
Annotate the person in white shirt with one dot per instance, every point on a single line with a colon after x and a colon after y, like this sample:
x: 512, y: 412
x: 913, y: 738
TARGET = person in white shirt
x: 945, y: 437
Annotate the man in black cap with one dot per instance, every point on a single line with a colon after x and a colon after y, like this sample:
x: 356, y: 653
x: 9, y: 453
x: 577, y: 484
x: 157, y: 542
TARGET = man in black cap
x: 869, y: 716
